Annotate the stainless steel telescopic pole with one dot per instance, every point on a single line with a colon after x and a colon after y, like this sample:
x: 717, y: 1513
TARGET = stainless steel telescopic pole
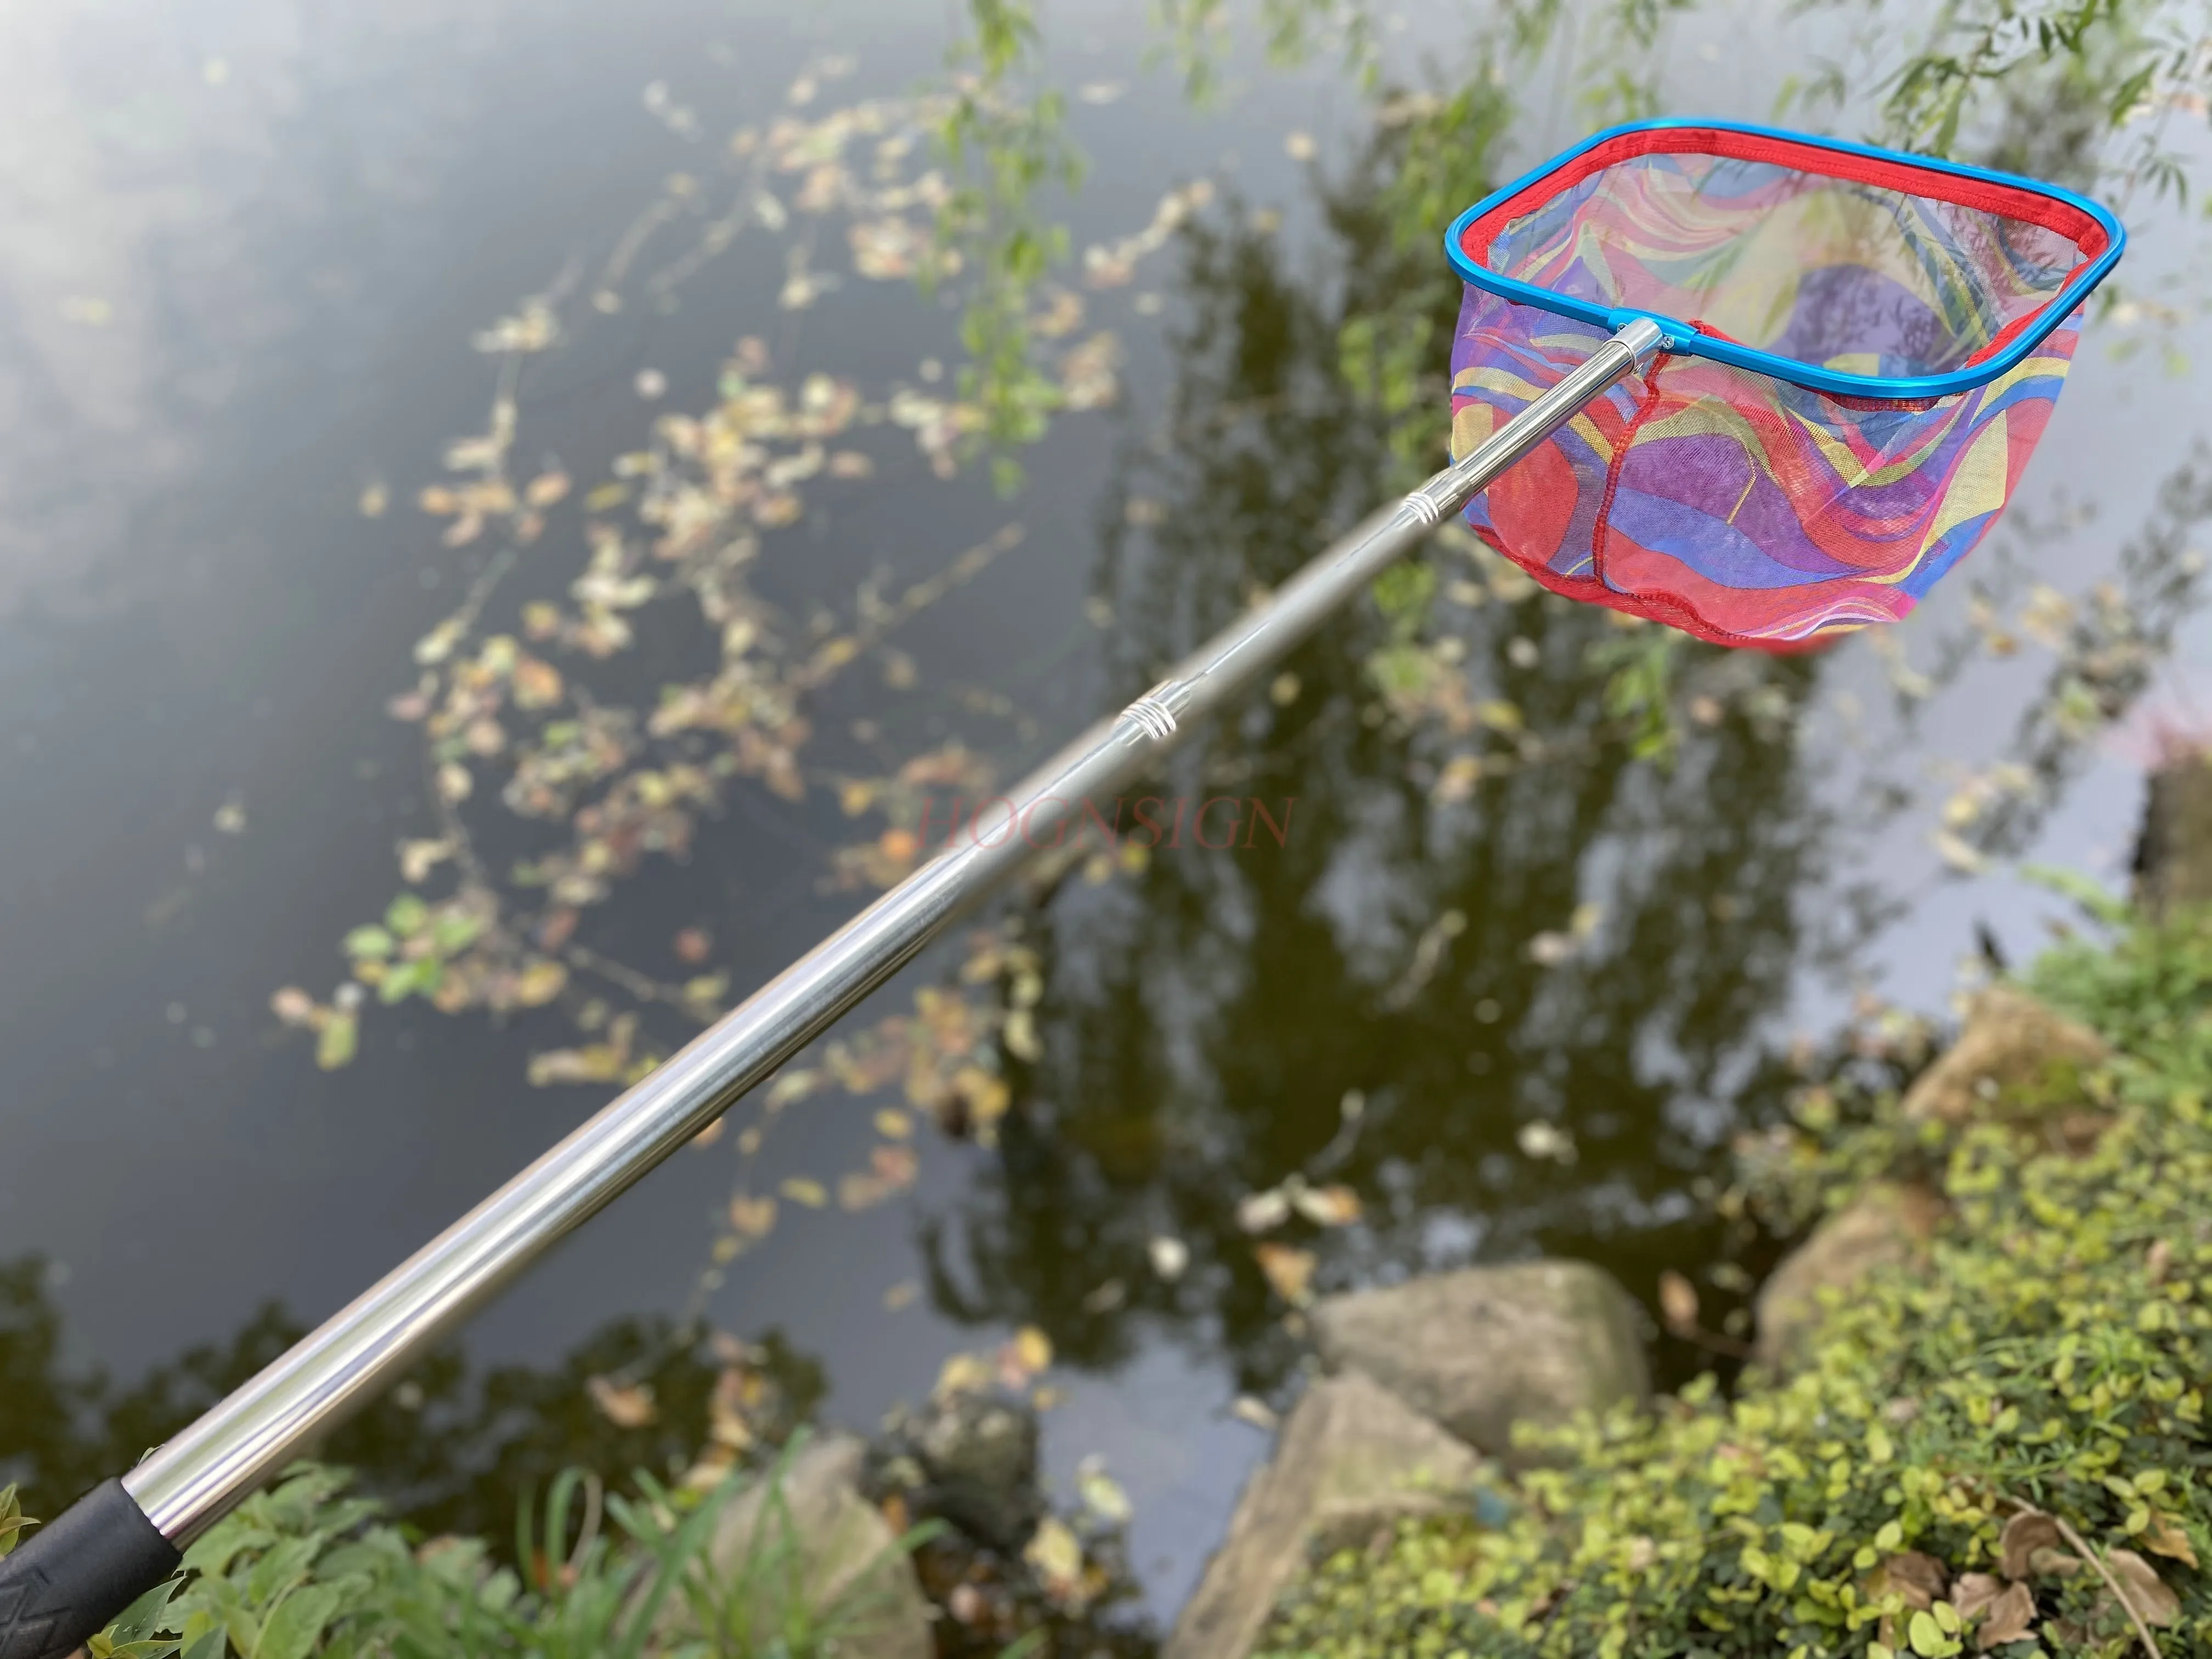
x: 99, y: 1556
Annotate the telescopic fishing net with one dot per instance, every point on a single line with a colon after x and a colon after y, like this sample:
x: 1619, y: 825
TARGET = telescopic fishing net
x: 1862, y: 350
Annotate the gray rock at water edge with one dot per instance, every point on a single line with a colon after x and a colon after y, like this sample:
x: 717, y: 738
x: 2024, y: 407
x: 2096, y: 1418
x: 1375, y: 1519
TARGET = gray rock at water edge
x: 1888, y: 1225
x: 1352, y: 1458
x: 976, y: 1455
x: 2173, y: 854
x: 815, y: 1531
x: 1483, y: 1348
x: 2016, y: 1057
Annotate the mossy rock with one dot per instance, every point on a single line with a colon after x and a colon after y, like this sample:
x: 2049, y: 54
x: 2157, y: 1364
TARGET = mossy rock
x: 2016, y: 1057
x: 1482, y: 1349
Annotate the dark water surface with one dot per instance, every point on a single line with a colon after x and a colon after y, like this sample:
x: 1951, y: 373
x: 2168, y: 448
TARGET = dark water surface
x: 248, y: 249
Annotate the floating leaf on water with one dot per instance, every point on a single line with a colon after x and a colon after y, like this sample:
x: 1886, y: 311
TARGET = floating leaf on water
x: 693, y: 945
x: 605, y: 497
x: 1258, y: 1212
x: 1546, y: 1140
x: 904, y: 1294
x: 1300, y: 146
x: 1456, y: 782
x: 374, y: 498
x: 1032, y: 1349
x: 293, y: 1005
x: 1552, y: 950
x: 804, y: 1189
x: 418, y: 858
x: 371, y: 943
x: 791, y: 1086
x: 1960, y: 853
x: 547, y: 488
x: 754, y: 1217
x: 537, y: 682
x: 539, y: 983
x: 1678, y: 1302
x: 336, y: 1043
x: 1102, y: 1494
x: 1101, y: 92
x: 1327, y: 1206
x: 650, y: 384
x: 1087, y: 375
x: 1289, y: 1271
x: 963, y: 1373
x: 1105, y: 1297
x: 893, y: 1124
x: 625, y: 1405
x: 1246, y: 1408
x: 1055, y: 1555
x: 1020, y: 1035
x: 1170, y: 1256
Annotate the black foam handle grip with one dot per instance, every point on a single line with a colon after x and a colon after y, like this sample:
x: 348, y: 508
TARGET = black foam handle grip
x: 70, y: 1577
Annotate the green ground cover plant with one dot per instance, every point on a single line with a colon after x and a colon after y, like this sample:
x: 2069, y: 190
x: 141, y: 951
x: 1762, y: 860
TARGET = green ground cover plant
x: 2001, y: 1451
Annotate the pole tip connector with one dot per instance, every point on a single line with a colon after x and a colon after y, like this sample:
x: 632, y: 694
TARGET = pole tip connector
x: 1643, y: 335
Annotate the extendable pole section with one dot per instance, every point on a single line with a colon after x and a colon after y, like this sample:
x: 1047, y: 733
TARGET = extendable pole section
x: 74, y: 1576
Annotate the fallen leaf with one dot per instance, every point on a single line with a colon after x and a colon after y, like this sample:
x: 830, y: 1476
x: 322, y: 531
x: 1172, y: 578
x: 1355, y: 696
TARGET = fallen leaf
x: 1102, y: 1494
x: 1289, y: 1271
x: 336, y: 1043
x: 1327, y: 1206
x: 1918, y: 1577
x: 1974, y: 1591
x: 537, y: 684
x: 625, y: 1405
x: 804, y: 1189
x: 1546, y: 1140
x: 904, y: 1294
x: 753, y: 1217
x: 2146, y: 1592
x: 1170, y: 1256
x: 1256, y: 1212
x: 1054, y: 1554
x: 1248, y: 1409
x: 693, y: 945
x: 1033, y: 1348
x: 539, y: 983
x: 293, y: 1005
x: 963, y: 1373
x: 2011, y: 1616
x: 374, y: 498
x: 1678, y: 1302
x: 2025, y: 1534
x: 2164, y: 1536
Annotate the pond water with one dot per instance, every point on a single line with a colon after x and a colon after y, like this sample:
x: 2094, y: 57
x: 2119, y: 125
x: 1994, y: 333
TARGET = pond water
x: 250, y: 248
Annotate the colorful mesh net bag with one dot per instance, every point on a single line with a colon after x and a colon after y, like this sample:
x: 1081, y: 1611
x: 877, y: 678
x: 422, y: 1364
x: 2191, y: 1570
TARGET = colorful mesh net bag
x: 1863, y: 348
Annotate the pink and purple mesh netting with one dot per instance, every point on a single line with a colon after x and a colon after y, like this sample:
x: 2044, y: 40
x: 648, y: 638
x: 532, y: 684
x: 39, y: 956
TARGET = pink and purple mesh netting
x: 1864, y: 350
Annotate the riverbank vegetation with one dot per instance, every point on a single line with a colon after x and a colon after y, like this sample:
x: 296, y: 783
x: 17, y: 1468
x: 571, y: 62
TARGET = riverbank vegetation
x: 2000, y: 1446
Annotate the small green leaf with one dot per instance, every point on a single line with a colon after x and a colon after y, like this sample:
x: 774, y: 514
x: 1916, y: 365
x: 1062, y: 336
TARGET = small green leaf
x: 297, y: 1623
x: 370, y: 943
x: 336, y: 1045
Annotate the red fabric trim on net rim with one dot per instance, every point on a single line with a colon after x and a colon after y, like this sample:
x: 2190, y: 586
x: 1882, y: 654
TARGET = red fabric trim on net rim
x: 1983, y: 195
